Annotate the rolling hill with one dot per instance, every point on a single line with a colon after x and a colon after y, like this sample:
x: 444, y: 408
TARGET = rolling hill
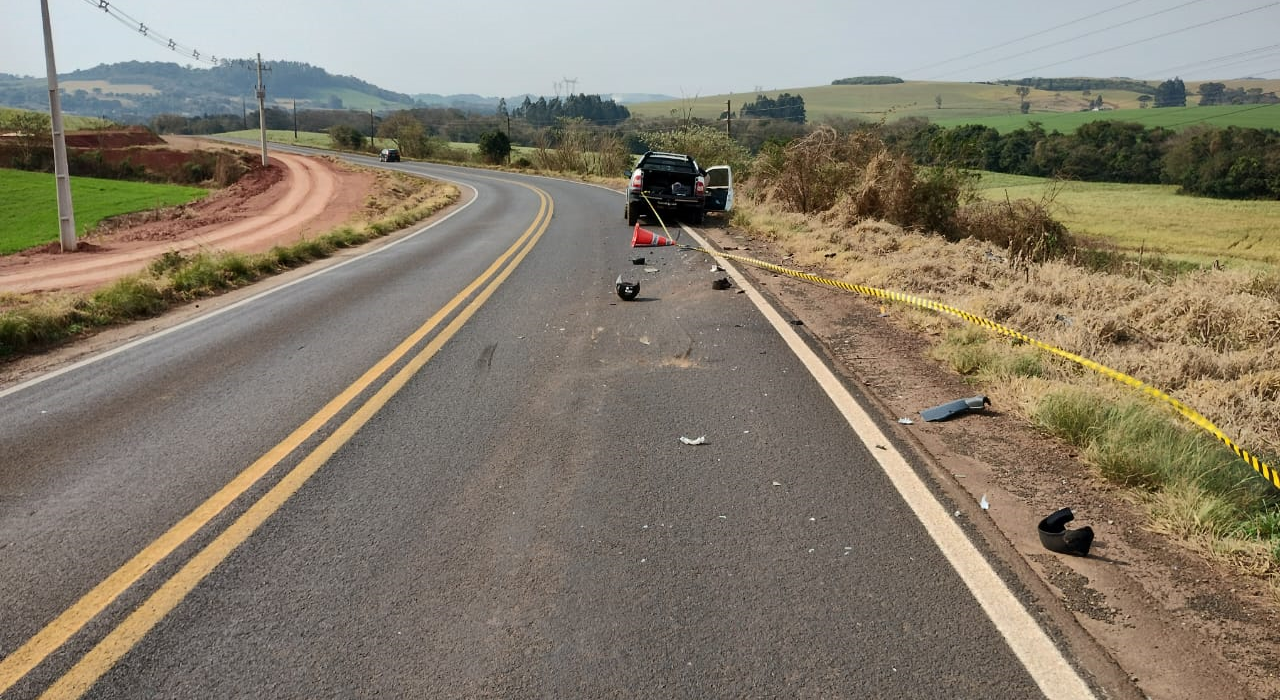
x: 993, y: 104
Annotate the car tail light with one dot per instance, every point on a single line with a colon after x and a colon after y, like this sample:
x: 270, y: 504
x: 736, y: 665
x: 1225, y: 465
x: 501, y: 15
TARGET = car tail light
x: 637, y: 180
x: 699, y: 187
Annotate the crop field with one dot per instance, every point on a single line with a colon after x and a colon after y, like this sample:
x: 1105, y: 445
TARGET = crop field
x: 29, y: 209
x: 1154, y: 219
x: 981, y: 103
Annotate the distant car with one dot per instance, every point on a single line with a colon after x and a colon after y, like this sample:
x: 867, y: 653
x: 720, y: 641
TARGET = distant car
x: 389, y: 155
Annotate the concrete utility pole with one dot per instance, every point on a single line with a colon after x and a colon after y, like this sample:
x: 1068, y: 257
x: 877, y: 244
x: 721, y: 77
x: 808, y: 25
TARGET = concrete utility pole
x: 61, y: 174
x: 262, y: 110
x: 728, y: 118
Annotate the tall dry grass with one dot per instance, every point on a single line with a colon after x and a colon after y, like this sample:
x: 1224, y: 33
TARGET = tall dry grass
x: 1209, y: 337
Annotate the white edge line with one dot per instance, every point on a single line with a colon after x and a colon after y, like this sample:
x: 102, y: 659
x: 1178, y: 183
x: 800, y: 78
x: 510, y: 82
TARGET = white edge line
x: 1029, y: 642
x: 248, y: 300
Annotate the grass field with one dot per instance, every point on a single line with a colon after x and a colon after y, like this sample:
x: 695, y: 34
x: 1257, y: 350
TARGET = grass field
x: 29, y: 207
x: 70, y: 121
x: 1154, y: 219
x: 967, y: 103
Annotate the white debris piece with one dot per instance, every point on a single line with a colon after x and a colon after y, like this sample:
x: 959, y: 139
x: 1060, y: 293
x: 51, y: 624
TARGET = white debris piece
x: 694, y: 441
x: 983, y: 502
x: 906, y: 421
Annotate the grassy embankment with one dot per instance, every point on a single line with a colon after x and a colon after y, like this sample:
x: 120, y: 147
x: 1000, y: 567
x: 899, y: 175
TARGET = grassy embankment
x: 33, y: 322
x: 29, y: 210
x: 1206, y: 336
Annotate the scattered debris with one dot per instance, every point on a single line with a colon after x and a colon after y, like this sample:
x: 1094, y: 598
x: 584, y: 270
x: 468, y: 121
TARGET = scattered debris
x: 694, y: 441
x: 722, y: 283
x: 829, y: 255
x: 1055, y: 536
x: 627, y: 290
x: 884, y: 311
x: 906, y: 421
x: 717, y: 268
x: 797, y: 322
x: 1064, y: 320
x: 984, y: 503
x: 637, y: 261
x: 777, y: 483
x: 651, y: 270
x: 953, y: 408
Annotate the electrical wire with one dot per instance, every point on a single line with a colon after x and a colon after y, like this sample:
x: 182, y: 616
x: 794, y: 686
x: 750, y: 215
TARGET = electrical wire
x: 1074, y: 38
x: 1150, y: 38
x: 153, y: 35
x: 1022, y: 38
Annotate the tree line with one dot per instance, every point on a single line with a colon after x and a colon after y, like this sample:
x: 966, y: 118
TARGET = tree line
x: 1232, y: 163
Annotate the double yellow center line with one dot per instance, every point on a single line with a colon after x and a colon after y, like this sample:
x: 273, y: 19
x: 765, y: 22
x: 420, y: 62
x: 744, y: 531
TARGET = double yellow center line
x: 128, y: 633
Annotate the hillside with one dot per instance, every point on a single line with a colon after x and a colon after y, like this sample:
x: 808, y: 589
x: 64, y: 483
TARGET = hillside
x: 952, y: 103
x: 136, y: 91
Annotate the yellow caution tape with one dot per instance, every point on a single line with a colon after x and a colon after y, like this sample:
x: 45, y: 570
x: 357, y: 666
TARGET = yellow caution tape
x: 1191, y: 414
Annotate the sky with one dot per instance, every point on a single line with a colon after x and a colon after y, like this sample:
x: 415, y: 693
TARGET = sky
x: 680, y: 49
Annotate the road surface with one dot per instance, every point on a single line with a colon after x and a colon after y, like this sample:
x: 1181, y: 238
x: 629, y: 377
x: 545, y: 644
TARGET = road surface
x: 454, y: 468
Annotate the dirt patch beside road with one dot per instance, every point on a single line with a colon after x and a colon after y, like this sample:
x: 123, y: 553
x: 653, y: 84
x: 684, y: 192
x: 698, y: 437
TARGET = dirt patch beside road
x: 292, y: 198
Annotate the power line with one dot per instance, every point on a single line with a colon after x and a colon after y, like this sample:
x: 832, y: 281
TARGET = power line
x: 1263, y: 52
x: 1150, y: 38
x: 1023, y: 38
x: 1074, y: 38
x: 148, y: 32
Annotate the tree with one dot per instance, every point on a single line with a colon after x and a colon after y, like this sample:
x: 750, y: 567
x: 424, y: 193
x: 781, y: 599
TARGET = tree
x: 346, y: 137
x: 1212, y: 94
x: 409, y: 135
x: 494, y: 146
x: 937, y: 100
x: 1171, y: 93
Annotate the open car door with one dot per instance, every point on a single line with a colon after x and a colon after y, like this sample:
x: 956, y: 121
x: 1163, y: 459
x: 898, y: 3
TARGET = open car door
x: 719, y: 188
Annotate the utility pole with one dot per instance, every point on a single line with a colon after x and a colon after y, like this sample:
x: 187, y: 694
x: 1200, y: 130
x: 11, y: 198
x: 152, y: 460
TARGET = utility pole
x: 261, y: 92
x: 373, y: 131
x: 61, y: 174
x: 295, y: 119
x: 728, y: 118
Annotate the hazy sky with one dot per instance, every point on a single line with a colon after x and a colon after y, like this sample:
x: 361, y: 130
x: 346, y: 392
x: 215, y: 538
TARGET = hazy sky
x: 678, y: 48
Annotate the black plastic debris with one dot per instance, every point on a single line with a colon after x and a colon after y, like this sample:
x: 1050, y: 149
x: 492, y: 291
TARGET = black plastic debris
x: 955, y: 408
x: 722, y: 283
x: 1055, y: 536
x: 627, y: 290
x: 637, y: 261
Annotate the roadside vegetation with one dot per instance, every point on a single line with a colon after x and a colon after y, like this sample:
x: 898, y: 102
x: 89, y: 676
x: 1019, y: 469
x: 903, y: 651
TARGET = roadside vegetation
x: 30, y: 323
x: 29, y: 209
x: 850, y: 209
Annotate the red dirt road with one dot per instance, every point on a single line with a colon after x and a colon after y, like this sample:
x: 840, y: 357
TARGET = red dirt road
x: 294, y: 197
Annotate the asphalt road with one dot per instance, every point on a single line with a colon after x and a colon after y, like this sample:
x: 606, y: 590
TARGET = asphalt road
x: 453, y: 468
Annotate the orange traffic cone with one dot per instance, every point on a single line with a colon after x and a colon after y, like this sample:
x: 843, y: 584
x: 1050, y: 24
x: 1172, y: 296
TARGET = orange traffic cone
x: 642, y: 238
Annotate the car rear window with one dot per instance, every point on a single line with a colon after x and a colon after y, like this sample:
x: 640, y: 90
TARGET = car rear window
x: 671, y: 165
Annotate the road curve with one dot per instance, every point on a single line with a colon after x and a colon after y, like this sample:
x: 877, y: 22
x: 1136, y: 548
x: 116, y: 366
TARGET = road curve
x: 454, y: 468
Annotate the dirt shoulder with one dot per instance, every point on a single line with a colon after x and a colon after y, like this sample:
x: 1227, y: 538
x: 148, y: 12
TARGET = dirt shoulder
x: 1176, y: 626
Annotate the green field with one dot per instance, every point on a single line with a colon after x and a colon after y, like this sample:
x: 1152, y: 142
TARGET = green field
x: 29, y: 205
x: 1154, y: 219
x: 967, y: 103
x: 70, y: 122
